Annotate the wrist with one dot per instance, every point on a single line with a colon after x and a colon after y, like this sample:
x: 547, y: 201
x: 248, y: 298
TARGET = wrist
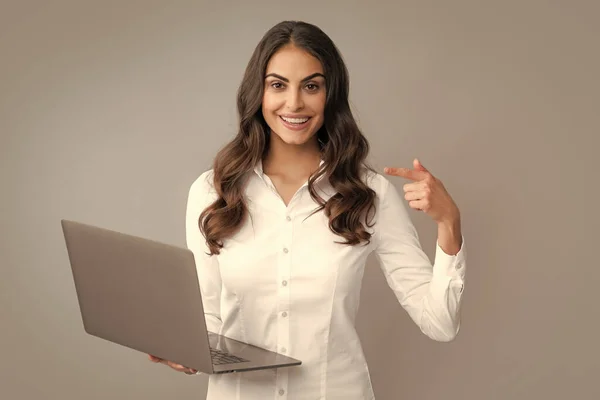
x: 450, y: 235
x: 451, y: 221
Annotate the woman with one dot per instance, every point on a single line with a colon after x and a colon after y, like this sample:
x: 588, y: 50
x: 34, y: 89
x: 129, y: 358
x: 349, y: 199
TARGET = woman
x: 282, y: 225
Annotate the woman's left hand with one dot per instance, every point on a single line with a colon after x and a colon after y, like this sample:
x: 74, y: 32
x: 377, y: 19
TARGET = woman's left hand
x: 427, y: 193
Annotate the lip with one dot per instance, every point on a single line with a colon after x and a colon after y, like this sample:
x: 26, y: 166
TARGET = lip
x: 294, y: 116
x: 294, y: 127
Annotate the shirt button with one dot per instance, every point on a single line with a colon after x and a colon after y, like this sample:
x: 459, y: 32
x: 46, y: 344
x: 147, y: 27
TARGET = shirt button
x: 283, y: 350
x: 284, y: 314
x: 288, y: 218
x: 285, y: 250
x: 284, y: 283
x: 281, y: 392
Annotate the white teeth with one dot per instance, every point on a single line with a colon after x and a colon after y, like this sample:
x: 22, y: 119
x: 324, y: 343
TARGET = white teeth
x: 295, y: 120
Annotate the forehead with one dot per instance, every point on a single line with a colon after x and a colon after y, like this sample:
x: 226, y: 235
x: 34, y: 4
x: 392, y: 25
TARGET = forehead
x: 293, y: 63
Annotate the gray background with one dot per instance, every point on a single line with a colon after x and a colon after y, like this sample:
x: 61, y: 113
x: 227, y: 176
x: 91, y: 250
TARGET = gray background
x: 110, y: 109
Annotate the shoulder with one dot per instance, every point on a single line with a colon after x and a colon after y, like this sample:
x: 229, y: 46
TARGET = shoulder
x: 202, y: 191
x: 203, y: 183
x: 376, y: 181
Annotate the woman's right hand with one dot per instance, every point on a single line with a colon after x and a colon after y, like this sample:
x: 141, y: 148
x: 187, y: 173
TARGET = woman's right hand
x: 175, y: 366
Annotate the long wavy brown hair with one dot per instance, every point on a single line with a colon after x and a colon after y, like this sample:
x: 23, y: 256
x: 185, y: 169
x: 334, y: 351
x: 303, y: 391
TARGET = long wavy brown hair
x: 343, y: 147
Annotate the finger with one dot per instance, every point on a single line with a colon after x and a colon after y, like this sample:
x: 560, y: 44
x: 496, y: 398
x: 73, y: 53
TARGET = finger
x: 414, y: 186
x: 405, y: 173
x: 418, y: 166
x: 186, y: 370
x: 415, y: 195
x: 154, y: 358
x: 165, y: 362
x: 421, y: 205
x: 178, y: 367
x: 175, y: 365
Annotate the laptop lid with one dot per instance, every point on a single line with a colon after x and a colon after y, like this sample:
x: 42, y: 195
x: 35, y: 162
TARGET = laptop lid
x: 139, y: 293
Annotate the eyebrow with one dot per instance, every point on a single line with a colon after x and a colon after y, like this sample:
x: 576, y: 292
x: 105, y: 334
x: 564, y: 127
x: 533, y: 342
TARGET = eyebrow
x: 308, y: 78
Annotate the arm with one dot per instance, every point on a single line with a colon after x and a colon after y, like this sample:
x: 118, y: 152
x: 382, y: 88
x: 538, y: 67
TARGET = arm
x: 431, y: 294
x: 201, y: 195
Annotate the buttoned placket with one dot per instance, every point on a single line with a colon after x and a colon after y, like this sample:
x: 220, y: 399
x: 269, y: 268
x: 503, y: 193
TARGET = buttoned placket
x: 284, y: 282
x: 283, y: 318
x: 285, y: 278
x: 283, y: 296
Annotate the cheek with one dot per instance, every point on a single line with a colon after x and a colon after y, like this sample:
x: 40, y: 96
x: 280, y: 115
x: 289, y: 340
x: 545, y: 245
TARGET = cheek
x: 318, y: 103
x: 270, y: 103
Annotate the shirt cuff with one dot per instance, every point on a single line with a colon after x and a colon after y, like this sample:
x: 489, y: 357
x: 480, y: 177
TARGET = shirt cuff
x: 450, y: 265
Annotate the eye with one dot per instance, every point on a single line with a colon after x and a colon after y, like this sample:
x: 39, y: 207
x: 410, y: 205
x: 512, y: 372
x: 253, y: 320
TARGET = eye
x: 312, y: 87
x: 276, y: 85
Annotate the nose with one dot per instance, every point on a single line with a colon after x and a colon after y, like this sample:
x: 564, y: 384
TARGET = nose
x: 295, y: 101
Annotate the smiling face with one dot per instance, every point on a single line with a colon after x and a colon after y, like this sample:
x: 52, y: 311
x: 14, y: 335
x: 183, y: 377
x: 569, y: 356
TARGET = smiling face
x: 293, y: 103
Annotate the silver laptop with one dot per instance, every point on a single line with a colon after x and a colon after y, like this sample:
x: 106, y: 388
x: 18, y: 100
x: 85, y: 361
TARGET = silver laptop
x: 145, y: 295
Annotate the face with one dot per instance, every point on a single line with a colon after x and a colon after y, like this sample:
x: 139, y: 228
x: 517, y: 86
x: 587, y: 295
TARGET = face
x: 294, y: 96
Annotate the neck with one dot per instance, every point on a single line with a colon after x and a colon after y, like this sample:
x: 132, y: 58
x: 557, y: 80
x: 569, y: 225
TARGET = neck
x: 292, y: 161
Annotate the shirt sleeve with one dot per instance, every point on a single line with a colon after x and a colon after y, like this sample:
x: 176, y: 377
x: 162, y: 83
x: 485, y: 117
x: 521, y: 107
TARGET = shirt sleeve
x: 201, y: 195
x: 431, y: 294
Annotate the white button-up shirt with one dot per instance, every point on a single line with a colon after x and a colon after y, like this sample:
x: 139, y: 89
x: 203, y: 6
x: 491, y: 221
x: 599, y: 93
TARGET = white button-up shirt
x: 283, y: 284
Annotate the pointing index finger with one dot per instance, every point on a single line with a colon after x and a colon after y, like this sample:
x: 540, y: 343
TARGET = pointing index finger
x: 403, y: 173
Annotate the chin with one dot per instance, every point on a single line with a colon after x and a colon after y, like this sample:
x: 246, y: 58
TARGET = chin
x: 294, y: 138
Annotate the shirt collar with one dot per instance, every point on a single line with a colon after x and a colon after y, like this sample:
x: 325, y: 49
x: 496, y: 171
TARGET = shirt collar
x: 258, y: 168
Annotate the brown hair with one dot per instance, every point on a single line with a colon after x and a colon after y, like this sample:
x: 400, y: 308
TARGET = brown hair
x: 343, y: 146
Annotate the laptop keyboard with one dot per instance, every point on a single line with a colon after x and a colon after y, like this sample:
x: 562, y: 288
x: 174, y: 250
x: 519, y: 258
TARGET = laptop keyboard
x: 220, y: 357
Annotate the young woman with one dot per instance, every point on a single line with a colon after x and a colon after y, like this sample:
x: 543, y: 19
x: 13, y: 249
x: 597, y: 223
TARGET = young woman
x: 282, y: 225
